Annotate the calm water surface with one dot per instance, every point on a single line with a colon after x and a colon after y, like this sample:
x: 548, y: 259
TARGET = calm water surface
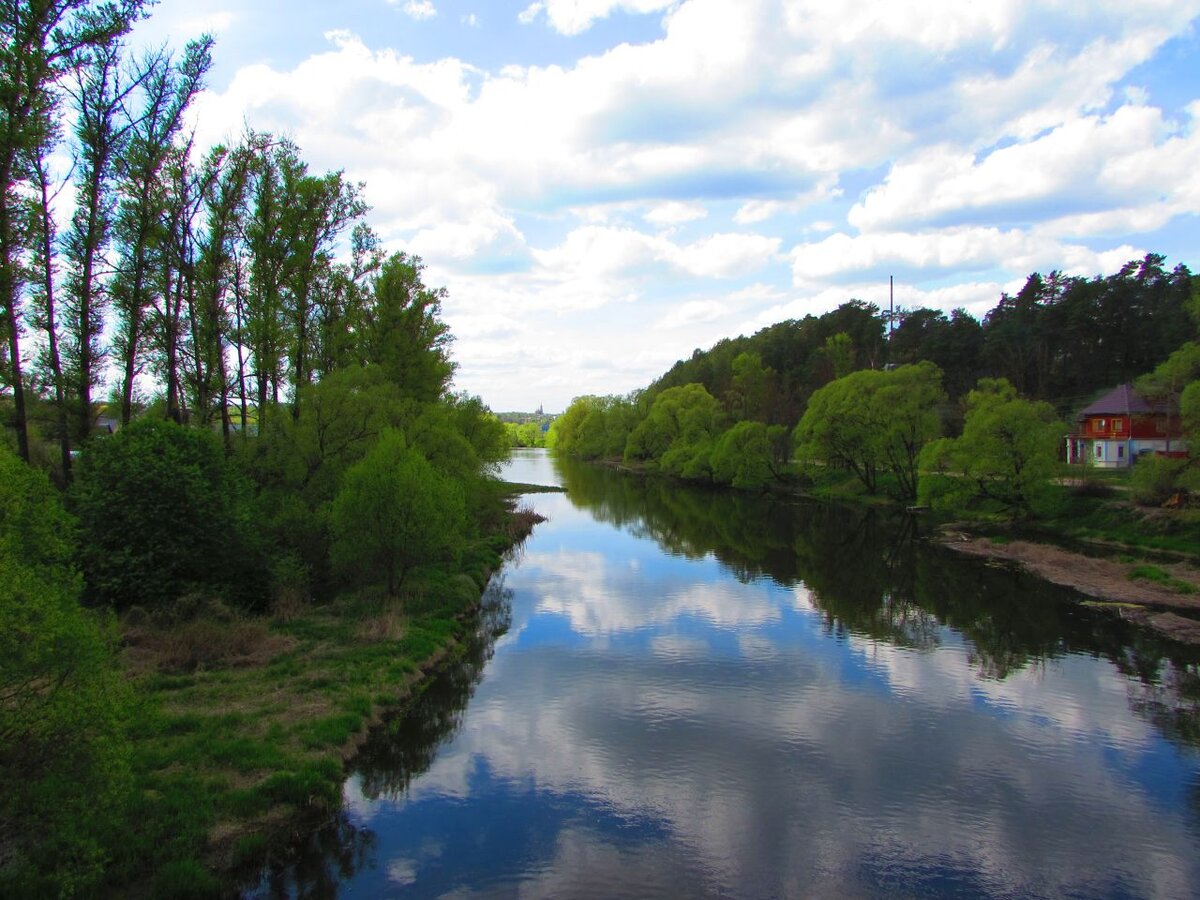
x: 689, y: 693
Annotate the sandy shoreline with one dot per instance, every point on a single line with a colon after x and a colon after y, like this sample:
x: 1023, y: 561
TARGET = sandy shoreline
x: 1103, y: 581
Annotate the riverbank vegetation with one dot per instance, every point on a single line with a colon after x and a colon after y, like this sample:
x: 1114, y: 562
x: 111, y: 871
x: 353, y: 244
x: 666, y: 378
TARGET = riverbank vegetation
x: 213, y: 582
x: 968, y: 417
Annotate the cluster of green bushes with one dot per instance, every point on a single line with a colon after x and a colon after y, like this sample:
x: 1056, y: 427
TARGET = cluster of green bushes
x: 683, y: 431
x: 893, y: 430
x: 945, y: 410
x: 525, y: 434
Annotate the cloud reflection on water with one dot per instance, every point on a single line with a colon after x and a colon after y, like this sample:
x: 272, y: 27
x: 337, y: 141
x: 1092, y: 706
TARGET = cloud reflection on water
x: 655, y: 725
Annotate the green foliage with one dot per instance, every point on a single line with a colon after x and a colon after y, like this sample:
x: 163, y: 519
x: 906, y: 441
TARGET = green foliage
x: 748, y: 455
x: 1174, y: 373
x: 1007, y: 454
x: 1147, y: 572
x: 163, y: 514
x: 404, y: 334
x: 874, y: 421
x: 186, y: 879
x: 528, y: 434
x: 1155, y: 479
x: 677, y: 435
x: 1189, y: 412
x: 64, y: 759
x: 594, y: 427
x: 395, y: 511
x: 753, y: 386
x: 793, y: 362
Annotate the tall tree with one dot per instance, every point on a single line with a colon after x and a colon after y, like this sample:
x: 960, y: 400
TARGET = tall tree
x: 43, y: 40
x: 404, y: 333
x: 875, y: 421
x: 319, y: 211
x: 342, y: 304
x: 174, y: 299
x: 269, y: 253
x: 45, y: 306
x: 100, y: 133
x: 1006, y: 455
x: 167, y: 89
x: 224, y: 182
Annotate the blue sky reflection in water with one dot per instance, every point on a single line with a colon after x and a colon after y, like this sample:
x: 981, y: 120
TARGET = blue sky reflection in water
x: 651, y: 725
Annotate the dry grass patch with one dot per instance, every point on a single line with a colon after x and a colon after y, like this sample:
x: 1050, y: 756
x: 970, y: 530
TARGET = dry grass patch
x: 520, y: 524
x: 390, y: 625
x: 200, y: 645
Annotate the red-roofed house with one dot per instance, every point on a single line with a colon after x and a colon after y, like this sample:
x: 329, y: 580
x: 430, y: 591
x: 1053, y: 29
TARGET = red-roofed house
x: 1121, y: 426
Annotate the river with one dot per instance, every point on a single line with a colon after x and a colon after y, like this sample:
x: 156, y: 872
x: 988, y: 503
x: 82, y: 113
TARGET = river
x: 687, y: 693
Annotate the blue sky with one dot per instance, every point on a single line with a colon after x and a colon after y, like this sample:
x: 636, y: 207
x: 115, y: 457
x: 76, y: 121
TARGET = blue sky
x: 605, y: 185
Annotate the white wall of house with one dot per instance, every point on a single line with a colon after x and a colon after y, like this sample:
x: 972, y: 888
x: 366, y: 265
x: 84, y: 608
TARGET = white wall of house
x: 1119, y: 454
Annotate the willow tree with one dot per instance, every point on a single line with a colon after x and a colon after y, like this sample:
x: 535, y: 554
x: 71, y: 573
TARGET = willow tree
x: 1007, y: 454
x: 873, y: 422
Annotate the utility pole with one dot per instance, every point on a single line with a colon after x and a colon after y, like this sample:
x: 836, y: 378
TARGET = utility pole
x: 891, y: 320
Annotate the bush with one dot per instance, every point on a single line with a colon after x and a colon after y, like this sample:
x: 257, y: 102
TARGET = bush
x: 1155, y: 479
x: 64, y: 758
x: 163, y: 514
x: 395, y: 511
x: 1006, y: 457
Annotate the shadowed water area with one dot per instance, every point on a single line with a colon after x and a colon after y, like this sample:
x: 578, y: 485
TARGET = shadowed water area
x: 678, y: 692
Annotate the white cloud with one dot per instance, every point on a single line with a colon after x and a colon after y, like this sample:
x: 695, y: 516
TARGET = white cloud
x: 693, y: 311
x: 600, y: 250
x: 675, y: 213
x: 470, y: 20
x: 573, y: 17
x: 960, y: 250
x: 1008, y: 141
x: 530, y: 13
x: 1131, y: 155
x: 420, y: 10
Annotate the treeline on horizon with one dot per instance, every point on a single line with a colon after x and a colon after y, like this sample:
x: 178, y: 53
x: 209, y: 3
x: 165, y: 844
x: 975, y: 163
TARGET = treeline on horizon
x: 286, y: 432
x: 839, y: 390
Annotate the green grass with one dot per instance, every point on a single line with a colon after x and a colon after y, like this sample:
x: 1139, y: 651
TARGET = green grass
x: 1146, y: 572
x: 227, y: 749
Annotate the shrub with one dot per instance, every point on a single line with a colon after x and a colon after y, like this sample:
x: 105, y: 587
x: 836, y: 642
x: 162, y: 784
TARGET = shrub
x: 395, y: 511
x: 1155, y: 479
x: 64, y: 758
x: 162, y: 514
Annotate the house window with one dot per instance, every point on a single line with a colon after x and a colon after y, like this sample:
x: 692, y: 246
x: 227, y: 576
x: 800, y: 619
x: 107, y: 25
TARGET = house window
x: 1100, y: 425
x: 1118, y: 425
x: 1099, y: 450
x: 1120, y: 451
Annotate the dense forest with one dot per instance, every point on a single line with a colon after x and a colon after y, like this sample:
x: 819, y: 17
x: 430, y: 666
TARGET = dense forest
x: 886, y: 399
x: 279, y: 432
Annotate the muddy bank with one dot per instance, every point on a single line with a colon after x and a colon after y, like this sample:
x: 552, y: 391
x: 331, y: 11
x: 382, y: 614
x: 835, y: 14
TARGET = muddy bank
x: 1167, y: 608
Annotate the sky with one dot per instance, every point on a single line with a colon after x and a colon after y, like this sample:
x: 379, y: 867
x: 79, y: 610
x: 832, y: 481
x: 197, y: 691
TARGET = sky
x: 604, y: 186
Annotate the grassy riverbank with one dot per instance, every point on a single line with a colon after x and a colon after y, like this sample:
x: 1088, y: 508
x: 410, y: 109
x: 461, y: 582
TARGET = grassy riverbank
x: 243, y: 724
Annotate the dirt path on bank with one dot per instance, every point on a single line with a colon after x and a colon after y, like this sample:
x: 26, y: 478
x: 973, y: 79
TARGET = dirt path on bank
x: 1171, y: 612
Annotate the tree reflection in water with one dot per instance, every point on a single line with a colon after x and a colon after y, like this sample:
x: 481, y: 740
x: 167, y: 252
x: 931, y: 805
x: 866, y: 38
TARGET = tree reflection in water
x: 314, y: 866
x: 870, y: 572
x: 397, y: 751
x: 404, y: 747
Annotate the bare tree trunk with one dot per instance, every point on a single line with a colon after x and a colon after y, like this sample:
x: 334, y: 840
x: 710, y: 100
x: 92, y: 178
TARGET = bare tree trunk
x: 51, y: 324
